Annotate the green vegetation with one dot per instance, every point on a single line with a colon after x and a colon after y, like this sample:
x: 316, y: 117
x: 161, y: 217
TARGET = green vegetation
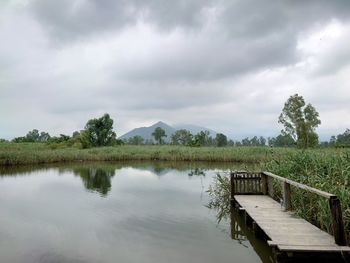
x: 254, y: 141
x: 181, y: 137
x: 324, y: 169
x: 300, y: 121
x: 327, y: 172
x: 282, y: 140
x: 31, y: 153
x: 135, y: 140
x: 158, y: 135
x: 221, y: 140
x: 98, y: 132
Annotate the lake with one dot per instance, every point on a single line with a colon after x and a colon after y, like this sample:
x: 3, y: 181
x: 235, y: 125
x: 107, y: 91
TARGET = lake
x: 130, y: 212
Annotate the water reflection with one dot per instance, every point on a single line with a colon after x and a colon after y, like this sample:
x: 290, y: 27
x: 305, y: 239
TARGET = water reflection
x: 148, y: 214
x: 96, y: 179
x: 196, y: 172
x: 241, y: 233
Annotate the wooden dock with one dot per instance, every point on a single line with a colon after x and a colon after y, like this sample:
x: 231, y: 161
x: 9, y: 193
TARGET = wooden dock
x: 287, y: 233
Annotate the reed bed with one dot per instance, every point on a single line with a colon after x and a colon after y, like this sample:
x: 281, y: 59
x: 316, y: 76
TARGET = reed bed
x: 39, y: 153
x: 325, y: 170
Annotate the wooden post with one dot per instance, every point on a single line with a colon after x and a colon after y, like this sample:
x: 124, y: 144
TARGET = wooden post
x: 232, y: 186
x: 337, y: 221
x: 264, y: 186
x: 270, y: 186
x: 286, y: 196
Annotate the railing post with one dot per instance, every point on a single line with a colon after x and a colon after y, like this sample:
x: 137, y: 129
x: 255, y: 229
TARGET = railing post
x: 264, y: 186
x: 286, y: 196
x: 270, y: 189
x: 232, y: 184
x: 337, y: 221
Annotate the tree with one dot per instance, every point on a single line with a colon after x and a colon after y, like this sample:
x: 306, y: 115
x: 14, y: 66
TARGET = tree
x: 181, y: 137
x: 44, y: 137
x: 332, y: 140
x: 262, y: 141
x: 343, y: 138
x: 98, y: 132
x: 246, y: 142
x: 221, y: 140
x: 136, y: 140
x: 230, y: 143
x: 282, y: 141
x: 33, y: 136
x: 300, y: 121
x: 158, y: 135
x: 202, y: 138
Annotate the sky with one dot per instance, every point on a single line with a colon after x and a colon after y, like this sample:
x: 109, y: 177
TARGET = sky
x: 227, y: 65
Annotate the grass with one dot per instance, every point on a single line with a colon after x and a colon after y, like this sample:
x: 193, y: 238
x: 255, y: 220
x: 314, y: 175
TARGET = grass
x: 39, y: 153
x: 324, y: 169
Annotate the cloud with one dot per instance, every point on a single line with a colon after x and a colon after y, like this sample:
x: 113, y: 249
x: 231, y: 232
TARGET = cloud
x: 229, y: 65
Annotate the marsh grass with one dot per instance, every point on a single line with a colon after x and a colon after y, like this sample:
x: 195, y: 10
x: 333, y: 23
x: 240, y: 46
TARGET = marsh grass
x: 324, y: 169
x: 327, y: 171
x: 39, y: 153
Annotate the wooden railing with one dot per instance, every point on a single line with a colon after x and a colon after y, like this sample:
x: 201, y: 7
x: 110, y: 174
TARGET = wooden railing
x: 262, y: 183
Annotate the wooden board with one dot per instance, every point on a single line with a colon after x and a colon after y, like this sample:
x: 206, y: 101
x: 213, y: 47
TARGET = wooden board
x: 287, y: 231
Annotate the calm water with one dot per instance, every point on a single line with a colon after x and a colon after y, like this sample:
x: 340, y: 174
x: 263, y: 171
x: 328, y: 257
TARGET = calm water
x: 118, y: 213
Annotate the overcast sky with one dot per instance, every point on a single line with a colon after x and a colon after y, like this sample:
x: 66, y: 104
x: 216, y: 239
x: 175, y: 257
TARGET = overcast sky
x: 228, y: 65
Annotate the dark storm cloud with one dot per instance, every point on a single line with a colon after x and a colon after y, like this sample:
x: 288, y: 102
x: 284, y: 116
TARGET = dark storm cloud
x: 206, y: 58
x: 249, y: 18
x: 204, y: 61
x: 243, y: 36
x: 71, y: 19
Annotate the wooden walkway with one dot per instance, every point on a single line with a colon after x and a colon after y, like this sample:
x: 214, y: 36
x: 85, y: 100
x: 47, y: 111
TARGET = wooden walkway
x: 286, y: 232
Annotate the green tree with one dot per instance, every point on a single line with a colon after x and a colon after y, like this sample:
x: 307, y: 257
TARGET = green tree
x: 344, y: 138
x: 300, y: 121
x: 158, y: 135
x: 33, y: 136
x: 231, y: 143
x: 262, y: 141
x: 282, y: 140
x: 136, y: 140
x: 333, y: 140
x: 181, y: 137
x: 246, y: 142
x: 202, y: 138
x: 98, y: 132
x: 44, y: 137
x: 221, y: 140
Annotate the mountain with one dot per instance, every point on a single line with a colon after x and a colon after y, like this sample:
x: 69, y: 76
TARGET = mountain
x: 146, y: 132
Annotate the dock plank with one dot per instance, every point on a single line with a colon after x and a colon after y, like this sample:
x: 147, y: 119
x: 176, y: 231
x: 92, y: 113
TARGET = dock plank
x: 287, y: 231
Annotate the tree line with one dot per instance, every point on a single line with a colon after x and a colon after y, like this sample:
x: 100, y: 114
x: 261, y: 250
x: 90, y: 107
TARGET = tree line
x: 97, y: 132
x: 299, y: 121
x: 181, y: 137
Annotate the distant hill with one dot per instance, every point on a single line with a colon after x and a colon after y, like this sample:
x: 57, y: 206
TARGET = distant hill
x: 146, y: 132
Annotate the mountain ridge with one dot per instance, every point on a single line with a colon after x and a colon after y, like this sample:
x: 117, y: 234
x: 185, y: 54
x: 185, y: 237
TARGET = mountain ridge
x: 146, y: 132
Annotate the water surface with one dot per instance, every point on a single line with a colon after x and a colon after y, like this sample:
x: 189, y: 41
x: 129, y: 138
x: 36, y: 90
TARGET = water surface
x: 118, y: 213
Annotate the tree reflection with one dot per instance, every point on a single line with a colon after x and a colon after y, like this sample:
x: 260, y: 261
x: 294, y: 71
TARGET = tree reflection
x: 196, y: 172
x: 96, y: 179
